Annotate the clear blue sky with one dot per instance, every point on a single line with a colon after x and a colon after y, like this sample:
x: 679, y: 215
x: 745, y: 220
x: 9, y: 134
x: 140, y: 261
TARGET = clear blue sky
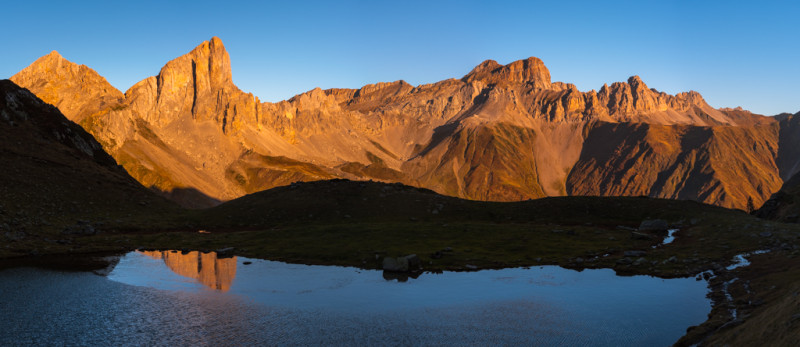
x: 734, y: 53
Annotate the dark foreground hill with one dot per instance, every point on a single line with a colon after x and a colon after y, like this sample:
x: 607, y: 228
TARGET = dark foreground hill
x: 55, y: 174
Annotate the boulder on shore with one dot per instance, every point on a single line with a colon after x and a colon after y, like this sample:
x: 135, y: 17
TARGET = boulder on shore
x: 402, y: 264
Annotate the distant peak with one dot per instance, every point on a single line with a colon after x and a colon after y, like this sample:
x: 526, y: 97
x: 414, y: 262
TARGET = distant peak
x: 734, y: 109
x: 50, y: 59
x: 209, y: 60
x: 529, y: 63
x: 635, y: 80
x: 487, y: 65
x: 527, y: 70
x: 216, y: 44
x: 52, y: 62
x: 54, y: 54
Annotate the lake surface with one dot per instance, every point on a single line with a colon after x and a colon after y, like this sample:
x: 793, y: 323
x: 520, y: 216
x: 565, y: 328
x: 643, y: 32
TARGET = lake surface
x: 169, y: 298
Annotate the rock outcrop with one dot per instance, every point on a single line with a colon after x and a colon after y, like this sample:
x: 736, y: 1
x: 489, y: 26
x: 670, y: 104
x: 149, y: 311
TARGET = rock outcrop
x: 501, y: 132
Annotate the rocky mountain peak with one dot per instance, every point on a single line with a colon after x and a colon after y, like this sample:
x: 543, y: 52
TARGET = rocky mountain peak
x: 636, y: 82
x: 53, y: 55
x: 52, y: 62
x: 734, y: 109
x: 486, y: 67
x: 57, y: 81
x: 692, y: 97
x: 531, y: 70
x: 196, y: 84
x: 314, y: 99
x: 208, y: 63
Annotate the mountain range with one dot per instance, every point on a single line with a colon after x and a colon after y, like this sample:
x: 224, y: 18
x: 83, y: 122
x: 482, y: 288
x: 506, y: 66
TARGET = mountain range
x: 499, y: 133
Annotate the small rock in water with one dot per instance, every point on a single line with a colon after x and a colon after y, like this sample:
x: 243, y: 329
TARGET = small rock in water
x: 247, y: 262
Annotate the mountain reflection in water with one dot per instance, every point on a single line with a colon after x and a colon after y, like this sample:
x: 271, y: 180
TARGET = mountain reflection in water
x: 208, y: 269
x: 156, y: 298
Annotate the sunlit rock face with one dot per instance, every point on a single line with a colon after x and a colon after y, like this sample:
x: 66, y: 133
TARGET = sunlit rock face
x: 206, y: 268
x: 77, y: 90
x: 500, y: 133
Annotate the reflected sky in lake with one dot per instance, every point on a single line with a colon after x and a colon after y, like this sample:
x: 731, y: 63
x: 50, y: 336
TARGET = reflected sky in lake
x: 147, y: 298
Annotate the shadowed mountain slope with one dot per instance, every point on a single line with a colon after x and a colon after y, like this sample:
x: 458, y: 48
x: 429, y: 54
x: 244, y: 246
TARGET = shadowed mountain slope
x: 725, y: 165
x: 54, y: 172
x: 502, y: 133
x: 784, y: 205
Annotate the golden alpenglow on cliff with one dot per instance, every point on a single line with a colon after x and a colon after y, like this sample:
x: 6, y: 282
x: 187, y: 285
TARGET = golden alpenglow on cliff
x: 500, y: 133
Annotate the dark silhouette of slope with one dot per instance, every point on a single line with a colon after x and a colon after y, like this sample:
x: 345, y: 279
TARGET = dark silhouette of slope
x: 54, y: 173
